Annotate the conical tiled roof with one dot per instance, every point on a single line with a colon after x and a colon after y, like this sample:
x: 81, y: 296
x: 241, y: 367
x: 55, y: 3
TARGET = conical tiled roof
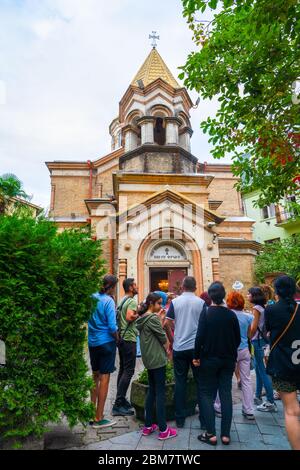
x: 154, y: 68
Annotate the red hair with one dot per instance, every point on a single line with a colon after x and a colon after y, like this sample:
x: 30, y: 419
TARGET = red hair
x: 235, y: 301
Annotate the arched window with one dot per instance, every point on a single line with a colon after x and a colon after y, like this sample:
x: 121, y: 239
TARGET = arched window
x: 159, y: 131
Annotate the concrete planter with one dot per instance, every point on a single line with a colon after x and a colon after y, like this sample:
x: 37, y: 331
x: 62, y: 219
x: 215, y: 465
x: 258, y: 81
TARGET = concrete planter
x: 139, y: 393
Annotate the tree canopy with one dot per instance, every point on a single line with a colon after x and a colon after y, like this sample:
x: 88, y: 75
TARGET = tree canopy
x: 10, y: 187
x: 249, y: 58
x: 280, y: 256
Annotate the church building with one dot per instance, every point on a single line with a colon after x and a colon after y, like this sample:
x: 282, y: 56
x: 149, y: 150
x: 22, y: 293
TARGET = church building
x: 161, y: 212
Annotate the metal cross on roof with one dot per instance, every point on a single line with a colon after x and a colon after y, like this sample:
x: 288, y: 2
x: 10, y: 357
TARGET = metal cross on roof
x: 154, y: 37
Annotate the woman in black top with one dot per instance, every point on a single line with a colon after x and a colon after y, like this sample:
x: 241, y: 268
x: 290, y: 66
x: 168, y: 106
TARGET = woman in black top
x: 217, y: 341
x: 284, y: 360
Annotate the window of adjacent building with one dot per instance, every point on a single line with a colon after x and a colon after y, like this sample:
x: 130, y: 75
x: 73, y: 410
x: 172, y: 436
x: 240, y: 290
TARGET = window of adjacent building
x: 273, y: 240
x: 291, y: 210
x: 291, y: 198
x: 268, y: 211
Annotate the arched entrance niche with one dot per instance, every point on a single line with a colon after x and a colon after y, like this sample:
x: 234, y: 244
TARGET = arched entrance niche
x: 158, y: 254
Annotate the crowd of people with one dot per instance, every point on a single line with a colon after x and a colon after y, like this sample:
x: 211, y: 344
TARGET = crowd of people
x: 214, y: 336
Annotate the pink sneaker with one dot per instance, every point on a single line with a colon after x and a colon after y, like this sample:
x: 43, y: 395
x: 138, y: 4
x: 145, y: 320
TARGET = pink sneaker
x: 167, y: 434
x: 148, y: 431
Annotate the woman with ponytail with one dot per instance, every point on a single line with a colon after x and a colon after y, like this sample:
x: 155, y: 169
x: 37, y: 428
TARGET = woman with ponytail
x: 154, y: 354
x: 282, y: 320
x: 260, y: 340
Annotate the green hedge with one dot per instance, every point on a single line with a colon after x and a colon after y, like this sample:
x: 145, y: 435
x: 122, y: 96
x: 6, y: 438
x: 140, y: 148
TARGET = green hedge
x: 281, y: 256
x: 46, y: 282
x: 170, y: 378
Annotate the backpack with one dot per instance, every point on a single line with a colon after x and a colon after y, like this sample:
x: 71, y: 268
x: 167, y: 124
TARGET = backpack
x: 263, y: 333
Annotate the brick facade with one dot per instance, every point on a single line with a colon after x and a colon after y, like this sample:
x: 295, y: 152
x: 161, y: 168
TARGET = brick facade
x: 153, y: 166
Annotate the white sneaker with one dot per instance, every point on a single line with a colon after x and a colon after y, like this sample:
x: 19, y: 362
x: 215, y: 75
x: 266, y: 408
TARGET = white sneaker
x: 266, y: 406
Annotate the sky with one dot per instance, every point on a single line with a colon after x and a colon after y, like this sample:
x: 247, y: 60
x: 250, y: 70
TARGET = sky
x: 65, y: 65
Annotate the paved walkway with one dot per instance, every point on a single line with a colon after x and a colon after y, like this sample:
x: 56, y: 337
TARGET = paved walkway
x: 265, y: 433
x: 60, y: 436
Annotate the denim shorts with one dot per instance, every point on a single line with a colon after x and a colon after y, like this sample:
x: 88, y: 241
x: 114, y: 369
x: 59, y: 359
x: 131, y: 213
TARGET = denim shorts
x: 103, y: 357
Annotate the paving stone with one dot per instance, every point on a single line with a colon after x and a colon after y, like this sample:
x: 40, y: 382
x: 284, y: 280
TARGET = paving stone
x: 131, y: 439
x: 257, y: 445
x: 245, y: 427
x: 279, y: 420
x: 122, y: 447
x: 248, y: 433
x: 264, y: 418
x: 143, y: 447
x: 270, y: 430
x: 150, y: 442
x: 234, y: 436
x: 239, y: 418
x: 79, y: 429
x: 280, y: 443
x: 106, y: 432
x: 195, y: 444
x: 188, y: 421
x: 180, y: 442
x: 232, y: 446
x: 106, y: 445
x: 195, y: 423
x: 268, y: 447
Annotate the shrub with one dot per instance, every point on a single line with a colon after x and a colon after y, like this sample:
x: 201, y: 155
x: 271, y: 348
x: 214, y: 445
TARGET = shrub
x: 280, y: 256
x: 143, y: 376
x: 46, y: 282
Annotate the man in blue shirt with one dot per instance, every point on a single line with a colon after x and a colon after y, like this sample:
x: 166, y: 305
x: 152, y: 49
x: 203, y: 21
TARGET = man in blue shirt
x: 102, y: 340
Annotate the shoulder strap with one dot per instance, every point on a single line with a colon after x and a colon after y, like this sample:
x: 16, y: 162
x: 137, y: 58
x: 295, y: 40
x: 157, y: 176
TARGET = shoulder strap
x: 285, y: 330
x: 128, y: 323
x: 122, y: 303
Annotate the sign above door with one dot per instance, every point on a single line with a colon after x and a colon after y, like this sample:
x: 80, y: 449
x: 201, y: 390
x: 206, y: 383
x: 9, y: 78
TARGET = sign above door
x: 167, y: 253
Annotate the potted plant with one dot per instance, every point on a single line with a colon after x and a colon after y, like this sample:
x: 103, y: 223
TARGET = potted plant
x: 139, y: 391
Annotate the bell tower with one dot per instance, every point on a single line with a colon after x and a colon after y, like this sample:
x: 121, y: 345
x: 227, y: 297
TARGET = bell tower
x: 154, y: 121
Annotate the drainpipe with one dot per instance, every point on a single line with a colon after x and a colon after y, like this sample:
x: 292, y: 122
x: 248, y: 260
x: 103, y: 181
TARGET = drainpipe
x: 90, y: 165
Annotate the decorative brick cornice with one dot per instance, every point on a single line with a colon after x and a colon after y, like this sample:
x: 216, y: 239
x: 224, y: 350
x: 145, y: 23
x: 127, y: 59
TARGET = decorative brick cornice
x: 146, y: 119
x: 130, y: 128
x: 95, y: 202
x: 83, y: 165
x: 186, y: 129
x: 218, y: 168
x: 239, y: 243
x: 174, y: 119
x: 214, y: 205
x: 154, y: 148
x: 196, y: 179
